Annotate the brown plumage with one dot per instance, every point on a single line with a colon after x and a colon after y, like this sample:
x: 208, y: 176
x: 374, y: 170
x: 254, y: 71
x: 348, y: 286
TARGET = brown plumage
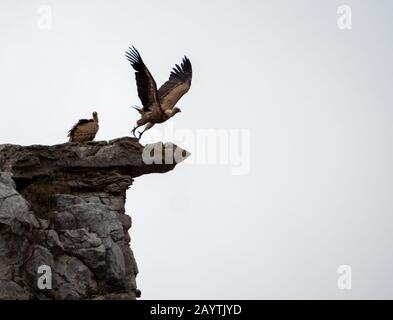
x: 158, y: 105
x: 85, y: 130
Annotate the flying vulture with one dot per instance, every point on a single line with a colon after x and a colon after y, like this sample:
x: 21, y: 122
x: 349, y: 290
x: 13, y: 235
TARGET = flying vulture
x: 85, y: 130
x: 158, y: 105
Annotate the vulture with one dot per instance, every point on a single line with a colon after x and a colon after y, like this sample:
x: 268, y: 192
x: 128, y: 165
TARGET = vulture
x: 158, y: 105
x: 85, y: 130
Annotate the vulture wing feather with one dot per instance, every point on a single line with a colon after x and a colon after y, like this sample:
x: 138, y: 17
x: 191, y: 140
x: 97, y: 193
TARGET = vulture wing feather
x: 177, y: 86
x: 147, y: 88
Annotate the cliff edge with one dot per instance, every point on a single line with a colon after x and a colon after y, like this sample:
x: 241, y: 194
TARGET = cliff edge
x: 63, y: 225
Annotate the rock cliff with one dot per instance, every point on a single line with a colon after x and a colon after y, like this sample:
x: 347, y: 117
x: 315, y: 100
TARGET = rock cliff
x: 63, y: 225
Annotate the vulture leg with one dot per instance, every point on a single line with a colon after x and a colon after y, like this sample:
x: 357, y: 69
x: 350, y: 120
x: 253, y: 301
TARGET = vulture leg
x: 148, y: 126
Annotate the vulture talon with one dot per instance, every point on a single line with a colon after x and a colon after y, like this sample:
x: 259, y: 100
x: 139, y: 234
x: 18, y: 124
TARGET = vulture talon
x: 133, y: 132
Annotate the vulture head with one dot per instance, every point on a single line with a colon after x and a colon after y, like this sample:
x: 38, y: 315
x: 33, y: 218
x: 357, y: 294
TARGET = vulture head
x: 95, y: 116
x: 176, y: 110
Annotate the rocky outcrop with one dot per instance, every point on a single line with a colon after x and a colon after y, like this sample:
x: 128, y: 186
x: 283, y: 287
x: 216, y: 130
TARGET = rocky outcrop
x: 62, y: 218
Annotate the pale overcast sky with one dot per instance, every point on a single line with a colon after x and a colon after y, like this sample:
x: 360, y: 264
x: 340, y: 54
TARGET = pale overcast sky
x: 315, y: 100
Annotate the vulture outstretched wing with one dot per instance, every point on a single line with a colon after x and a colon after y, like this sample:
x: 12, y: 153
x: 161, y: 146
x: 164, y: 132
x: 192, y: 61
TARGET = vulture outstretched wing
x: 147, y: 88
x: 178, y: 84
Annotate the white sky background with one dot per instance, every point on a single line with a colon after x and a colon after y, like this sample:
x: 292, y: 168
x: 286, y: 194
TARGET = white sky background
x: 317, y: 101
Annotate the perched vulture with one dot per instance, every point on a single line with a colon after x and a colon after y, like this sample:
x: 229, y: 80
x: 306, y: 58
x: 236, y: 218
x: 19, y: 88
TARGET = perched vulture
x: 158, y: 105
x: 85, y: 130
